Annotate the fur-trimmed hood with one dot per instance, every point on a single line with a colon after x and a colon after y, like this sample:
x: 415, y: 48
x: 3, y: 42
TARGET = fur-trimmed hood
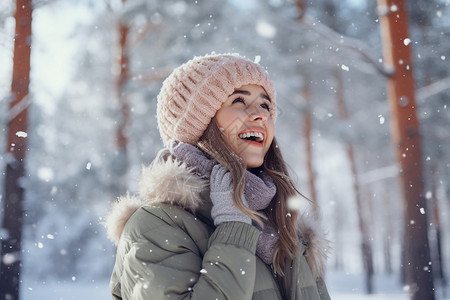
x: 169, y: 181
x: 166, y: 181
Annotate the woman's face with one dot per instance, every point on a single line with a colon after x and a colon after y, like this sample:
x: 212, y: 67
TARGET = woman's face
x: 246, y: 123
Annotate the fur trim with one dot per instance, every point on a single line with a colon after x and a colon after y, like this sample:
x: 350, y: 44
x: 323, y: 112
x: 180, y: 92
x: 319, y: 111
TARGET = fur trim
x: 317, y: 246
x: 121, y: 211
x: 166, y: 181
x: 171, y: 182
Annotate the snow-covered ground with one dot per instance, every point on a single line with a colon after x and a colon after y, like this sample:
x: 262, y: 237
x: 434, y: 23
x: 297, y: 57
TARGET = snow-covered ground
x: 386, y: 287
x: 341, y: 286
x: 65, y: 290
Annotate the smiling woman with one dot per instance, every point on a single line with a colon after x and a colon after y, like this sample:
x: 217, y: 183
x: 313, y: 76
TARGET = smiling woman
x: 212, y: 218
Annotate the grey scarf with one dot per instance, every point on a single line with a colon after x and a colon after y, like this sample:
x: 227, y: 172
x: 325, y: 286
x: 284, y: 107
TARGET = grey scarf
x: 259, y: 191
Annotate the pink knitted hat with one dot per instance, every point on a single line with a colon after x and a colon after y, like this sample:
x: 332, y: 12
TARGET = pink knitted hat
x: 195, y: 91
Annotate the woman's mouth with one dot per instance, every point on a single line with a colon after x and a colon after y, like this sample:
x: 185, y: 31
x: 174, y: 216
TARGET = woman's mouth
x: 253, y: 137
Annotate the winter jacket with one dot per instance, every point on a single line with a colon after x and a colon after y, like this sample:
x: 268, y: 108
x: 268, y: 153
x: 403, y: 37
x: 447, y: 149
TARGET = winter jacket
x: 169, y: 248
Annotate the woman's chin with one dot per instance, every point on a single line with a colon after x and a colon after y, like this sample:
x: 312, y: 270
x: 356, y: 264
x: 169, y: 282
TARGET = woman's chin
x: 253, y: 163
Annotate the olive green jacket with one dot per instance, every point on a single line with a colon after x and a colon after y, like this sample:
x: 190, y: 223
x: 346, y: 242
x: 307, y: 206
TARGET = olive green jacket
x: 169, y: 248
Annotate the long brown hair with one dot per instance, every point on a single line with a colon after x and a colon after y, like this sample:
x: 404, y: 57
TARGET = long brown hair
x: 282, y: 218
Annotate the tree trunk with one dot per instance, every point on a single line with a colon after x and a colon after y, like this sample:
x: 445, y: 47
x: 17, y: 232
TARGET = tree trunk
x: 301, y: 8
x: 425, y: 23
x: 437, y: 257
x: 387, y: 231
x: 406, y: 140
x: 307, y: 127
x: 16, y: 147
x: 120, y: 164
x: 122, y: 79
x: 366, y: 246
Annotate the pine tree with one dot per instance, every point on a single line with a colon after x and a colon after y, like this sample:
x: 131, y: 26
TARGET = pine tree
x: 16, y: 148
x: 407, y: 142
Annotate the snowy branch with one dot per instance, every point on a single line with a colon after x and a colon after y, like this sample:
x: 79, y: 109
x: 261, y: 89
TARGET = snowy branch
x: 18, y: 108
x: 347, y: 42
x: 378, y: 174
x: 433, y: 89
x: 141, y: 34
x: 156, y: 75
x: 40, y: 3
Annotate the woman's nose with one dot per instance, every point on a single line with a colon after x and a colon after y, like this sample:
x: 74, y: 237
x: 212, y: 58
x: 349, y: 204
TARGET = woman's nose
x: 259, y: 114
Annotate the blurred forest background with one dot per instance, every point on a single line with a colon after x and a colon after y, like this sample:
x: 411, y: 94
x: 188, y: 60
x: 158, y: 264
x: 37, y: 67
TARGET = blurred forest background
x: 97, y: 67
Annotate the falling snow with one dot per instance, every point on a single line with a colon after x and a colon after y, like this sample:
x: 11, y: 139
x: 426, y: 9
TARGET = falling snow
x: 345, y: 68
x: 72, y: 162
x: 21, y: 134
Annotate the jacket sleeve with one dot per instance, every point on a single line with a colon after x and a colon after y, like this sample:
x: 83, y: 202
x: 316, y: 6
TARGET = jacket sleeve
x: 165, y: 262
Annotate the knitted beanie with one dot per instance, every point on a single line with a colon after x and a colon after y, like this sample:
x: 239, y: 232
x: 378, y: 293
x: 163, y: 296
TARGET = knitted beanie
x: 193, y: 93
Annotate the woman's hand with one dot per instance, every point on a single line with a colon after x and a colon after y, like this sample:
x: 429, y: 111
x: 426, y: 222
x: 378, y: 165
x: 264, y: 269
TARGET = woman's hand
x: 221, y: 189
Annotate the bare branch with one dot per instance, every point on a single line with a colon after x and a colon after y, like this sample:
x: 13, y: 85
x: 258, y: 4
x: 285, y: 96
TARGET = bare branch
x: 40, y: 3
x: 142, y: 33
x: 156, y: 75
x: 347, y: 42
x: 108, y: 6
x: 433, y: 89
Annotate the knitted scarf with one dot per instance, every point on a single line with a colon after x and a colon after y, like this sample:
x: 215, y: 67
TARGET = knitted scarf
x: 259, y: 191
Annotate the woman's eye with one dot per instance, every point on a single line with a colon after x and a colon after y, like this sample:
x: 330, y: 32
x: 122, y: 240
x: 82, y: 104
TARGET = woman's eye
x: 238, y: 100
x: 265, y: 106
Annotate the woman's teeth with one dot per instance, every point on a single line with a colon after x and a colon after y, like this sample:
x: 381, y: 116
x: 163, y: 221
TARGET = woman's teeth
x: 257, y: 136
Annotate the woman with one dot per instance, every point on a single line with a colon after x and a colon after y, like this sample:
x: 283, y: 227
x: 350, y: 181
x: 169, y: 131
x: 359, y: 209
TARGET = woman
x: 212, y: 219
